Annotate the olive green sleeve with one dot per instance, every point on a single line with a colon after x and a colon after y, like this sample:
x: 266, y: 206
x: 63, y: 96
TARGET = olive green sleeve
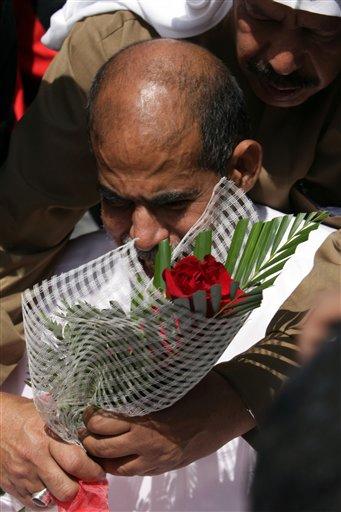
x: 49, y: 179
x: 259, y: 373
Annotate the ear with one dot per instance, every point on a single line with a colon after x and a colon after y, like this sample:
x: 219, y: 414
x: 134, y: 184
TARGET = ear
x: 245, y: 164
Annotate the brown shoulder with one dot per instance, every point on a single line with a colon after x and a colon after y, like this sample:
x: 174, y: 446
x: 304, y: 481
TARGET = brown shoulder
x: 113, y: 31
x: 95, y: 39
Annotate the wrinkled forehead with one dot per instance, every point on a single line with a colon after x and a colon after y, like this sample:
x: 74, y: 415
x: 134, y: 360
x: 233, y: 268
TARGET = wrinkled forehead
x: 140, y: 112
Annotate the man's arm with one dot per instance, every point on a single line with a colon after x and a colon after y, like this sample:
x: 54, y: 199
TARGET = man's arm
x: 49, y: 179
x: 206, y: 418
x: 259, y: 373
x: 217, y: 409
x: 32, y: 460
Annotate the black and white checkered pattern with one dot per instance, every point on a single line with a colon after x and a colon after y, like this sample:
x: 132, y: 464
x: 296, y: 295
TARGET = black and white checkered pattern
x: 137, y: 352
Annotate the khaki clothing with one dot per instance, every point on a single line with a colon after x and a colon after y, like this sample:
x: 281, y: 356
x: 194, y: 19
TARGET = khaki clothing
x: 299, y: 143
x: 49, y: 180
x: 259, y: 372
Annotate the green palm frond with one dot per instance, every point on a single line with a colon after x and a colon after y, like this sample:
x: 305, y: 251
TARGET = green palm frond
x: 265, y: 251
x: 203, y: 244
x: 236, y: 245
x: 162, y: 261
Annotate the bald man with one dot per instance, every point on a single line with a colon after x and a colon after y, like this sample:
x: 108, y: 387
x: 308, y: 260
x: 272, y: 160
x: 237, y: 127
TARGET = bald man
x: 166, y: 120
x: 287, y: 61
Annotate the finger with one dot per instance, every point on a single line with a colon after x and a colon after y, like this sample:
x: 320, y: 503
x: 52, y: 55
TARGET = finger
x: 60, y: 485
x: 102, y: 424
x: 23, y: 477
x: 82, y: 433
x: 9, y: 487
x: 123, y: 466
x: 22, y: 495
x: 108, y: 447
x: 74, y: 460
x: 31, y: 490
x: 24, y: 481
x: 29, y: 486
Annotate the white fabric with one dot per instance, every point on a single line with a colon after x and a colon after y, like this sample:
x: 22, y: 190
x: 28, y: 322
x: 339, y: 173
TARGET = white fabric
x: 170, y: 18
x: 325, y: 7
x: 218, y: 482
x: 158, y: 350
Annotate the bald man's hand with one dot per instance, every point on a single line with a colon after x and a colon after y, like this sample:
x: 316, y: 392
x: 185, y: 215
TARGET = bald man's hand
x: 209, y: 416
x: 31, y: 460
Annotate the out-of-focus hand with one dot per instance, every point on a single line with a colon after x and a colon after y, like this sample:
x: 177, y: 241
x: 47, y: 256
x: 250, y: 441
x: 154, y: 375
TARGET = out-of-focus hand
x: 317, y: 325
x: 210, y: 415
x: 32, y: 460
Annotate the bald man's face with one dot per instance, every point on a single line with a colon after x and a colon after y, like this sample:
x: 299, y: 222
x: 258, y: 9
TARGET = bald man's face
x: 288, y: 55
x: 150, y: 182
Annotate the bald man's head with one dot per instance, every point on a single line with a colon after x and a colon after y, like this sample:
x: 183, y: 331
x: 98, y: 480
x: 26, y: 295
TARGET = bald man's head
x: 162, y: 89
x: 166, y: 119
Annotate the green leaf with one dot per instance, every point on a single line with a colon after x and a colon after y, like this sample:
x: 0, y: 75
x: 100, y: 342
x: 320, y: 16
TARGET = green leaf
x: 300, y: 237
x: 260, y: 288
x: 288, y: 251
x: 233, y: 289
x: 280, y: 252
x: 242, y: 309
x: 317, y: 216
x: 249, y: 299
x: 236, y: 245
x: 265, y: 241
x: 246, y: 262
x: 162, y: 261
x: 245, y: 300
x: 283, y: 225
x: 137, y: 298
x: 272, y: 270
x: 311, y: 216
x: 53, y: 326
x: 297, y: 222
x: 203, y: 244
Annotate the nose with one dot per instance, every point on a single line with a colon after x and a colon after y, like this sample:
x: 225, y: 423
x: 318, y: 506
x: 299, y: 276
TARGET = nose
x: 284, y: 62
x: 147, y: 229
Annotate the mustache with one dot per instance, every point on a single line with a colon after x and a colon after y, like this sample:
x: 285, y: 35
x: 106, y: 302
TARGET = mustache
x: 264, y: 70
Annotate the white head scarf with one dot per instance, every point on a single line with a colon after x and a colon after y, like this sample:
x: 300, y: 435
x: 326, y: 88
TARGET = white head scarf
x: 170, y: 18
x: 325, y: 7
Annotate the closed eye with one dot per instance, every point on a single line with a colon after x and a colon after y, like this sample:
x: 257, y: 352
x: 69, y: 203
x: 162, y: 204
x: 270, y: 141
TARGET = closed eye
x: 118, y: 203
x: 177, y: 205
x: 112, y: 199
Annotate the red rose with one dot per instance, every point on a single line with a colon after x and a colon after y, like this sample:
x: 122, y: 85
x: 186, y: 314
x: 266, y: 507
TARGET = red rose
x: 190, y: 275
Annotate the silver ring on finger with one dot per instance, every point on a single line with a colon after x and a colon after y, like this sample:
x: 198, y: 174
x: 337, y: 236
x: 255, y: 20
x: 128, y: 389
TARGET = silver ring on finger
x: 42, y: 498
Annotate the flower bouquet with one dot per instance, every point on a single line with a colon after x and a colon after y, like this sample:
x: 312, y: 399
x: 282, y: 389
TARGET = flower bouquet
x: 107, y: 335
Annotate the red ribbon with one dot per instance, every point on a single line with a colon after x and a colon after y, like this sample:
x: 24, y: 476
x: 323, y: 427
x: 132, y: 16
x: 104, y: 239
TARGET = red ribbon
x: 91, y: 497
